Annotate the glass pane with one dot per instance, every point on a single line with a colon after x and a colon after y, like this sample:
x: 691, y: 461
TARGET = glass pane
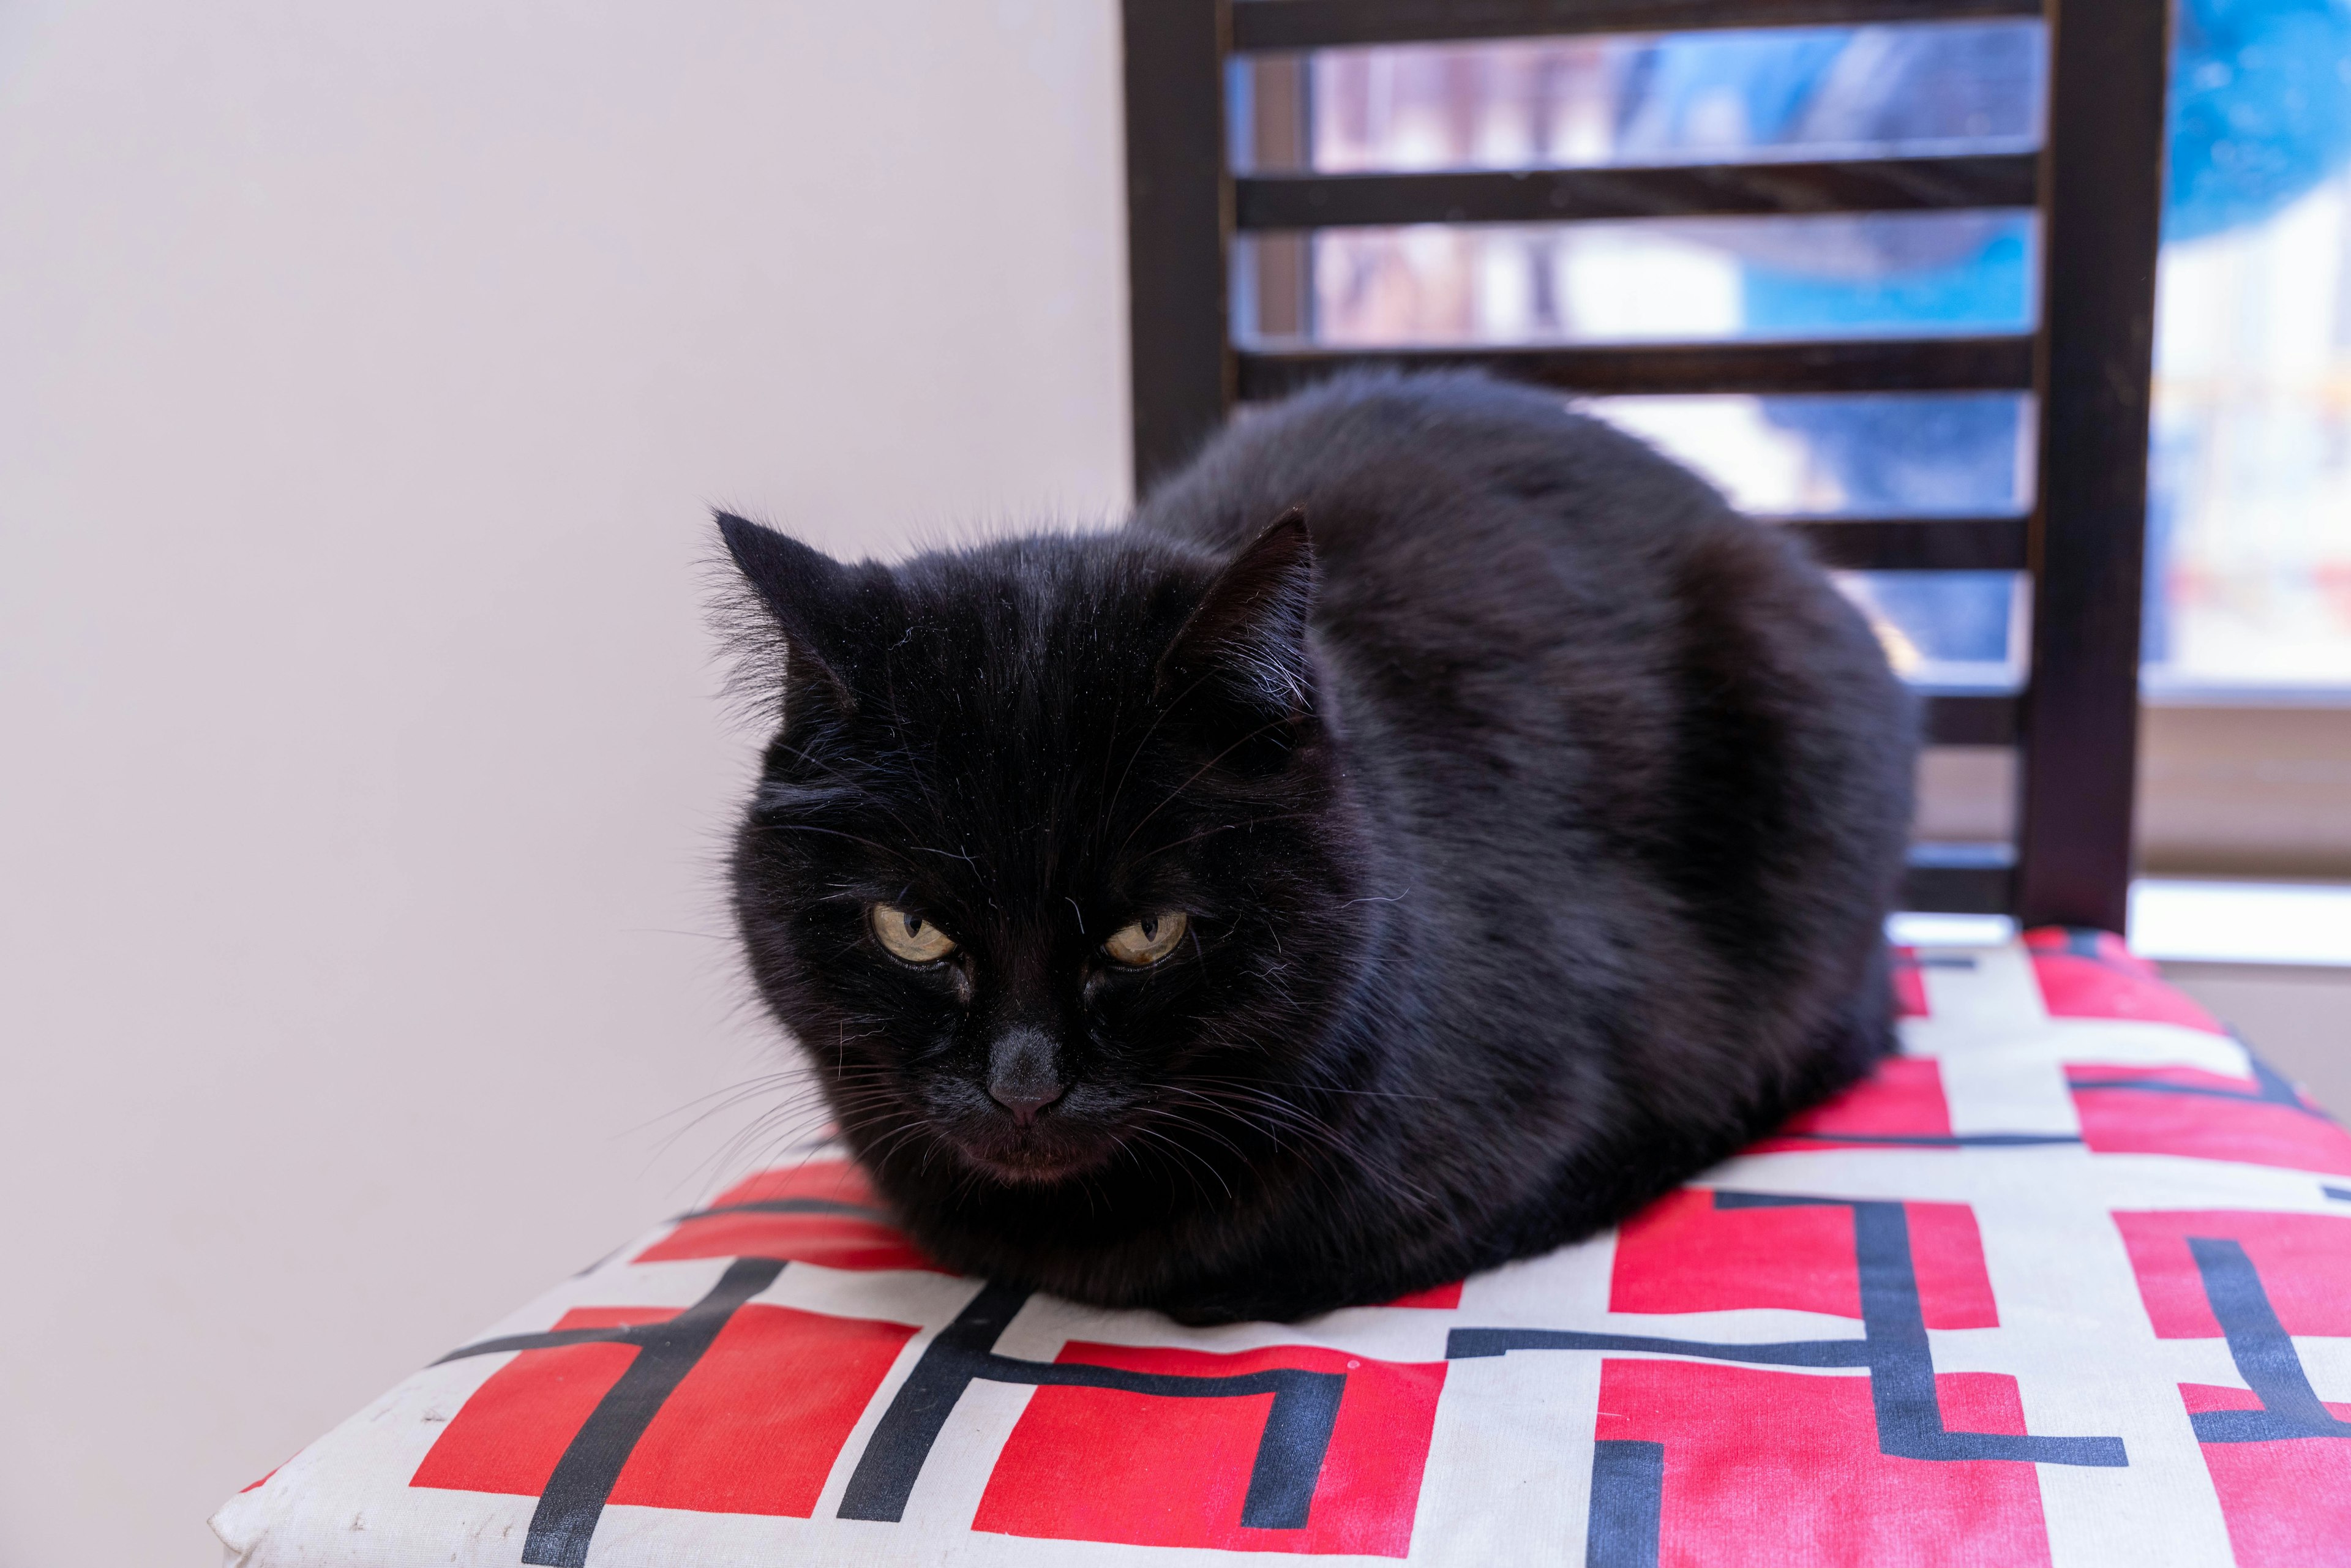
x: 1712, y: 97
x: 2249, y: 514
x: 1904, y: 274
x: 1960, y: 629
x: 2248, y: 507
x: 1907, y: 455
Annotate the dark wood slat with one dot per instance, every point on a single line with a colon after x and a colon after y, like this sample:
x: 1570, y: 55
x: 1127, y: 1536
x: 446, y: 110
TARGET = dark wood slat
x: 1279, y: 271
x: 1178, y: 208
x: 1268, y: 24
x: 1959, y: 879
x: 1550, y: 195
x: 2104, y: 179
x: 1969, y: 718
x: 1919, y: 364
x: 1913, y: 544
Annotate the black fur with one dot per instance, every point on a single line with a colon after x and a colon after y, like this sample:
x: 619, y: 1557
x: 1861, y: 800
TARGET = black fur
x: 1535, y: 816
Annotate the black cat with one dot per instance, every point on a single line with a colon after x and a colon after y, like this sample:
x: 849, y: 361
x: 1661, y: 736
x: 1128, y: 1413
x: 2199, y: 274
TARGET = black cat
x: 1435, y: 826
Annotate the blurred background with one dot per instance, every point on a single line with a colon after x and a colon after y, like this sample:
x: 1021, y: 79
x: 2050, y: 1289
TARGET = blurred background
x: 366, y: 375
x: 2247, y: 748
x: 2250, y: 578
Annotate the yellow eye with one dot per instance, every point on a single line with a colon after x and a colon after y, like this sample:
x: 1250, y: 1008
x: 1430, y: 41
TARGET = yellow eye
x: 910, y: 937
x: 1149, y: 939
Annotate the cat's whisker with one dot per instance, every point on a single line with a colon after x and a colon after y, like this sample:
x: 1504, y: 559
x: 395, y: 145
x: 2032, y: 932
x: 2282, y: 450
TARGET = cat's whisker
x: 777, y: 1128
x: 1332, y: 1138
x: 1166, y: 1114
x: 1193, y: 1157
x: 735, y: 1095
x: 879, y: 1155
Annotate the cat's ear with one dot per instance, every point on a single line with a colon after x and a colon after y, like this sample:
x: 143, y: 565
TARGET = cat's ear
x: 801, y: 591
x: 1246, y: 641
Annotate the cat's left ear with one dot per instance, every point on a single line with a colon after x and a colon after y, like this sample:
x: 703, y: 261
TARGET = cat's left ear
x: 1246, y: 640
x: 802, y: 592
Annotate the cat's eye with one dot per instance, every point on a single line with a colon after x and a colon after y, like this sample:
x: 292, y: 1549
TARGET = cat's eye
x: 910, y: 937
x: 1149, y: 939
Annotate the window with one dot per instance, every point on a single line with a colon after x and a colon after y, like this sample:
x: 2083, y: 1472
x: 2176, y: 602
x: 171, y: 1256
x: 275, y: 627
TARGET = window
x: 2246, y: 762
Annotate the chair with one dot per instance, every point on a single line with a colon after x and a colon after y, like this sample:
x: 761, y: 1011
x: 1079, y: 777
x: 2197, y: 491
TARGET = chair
x: 2097, y: 182
x: 2065, y: 1282
x: 2061, y: 1282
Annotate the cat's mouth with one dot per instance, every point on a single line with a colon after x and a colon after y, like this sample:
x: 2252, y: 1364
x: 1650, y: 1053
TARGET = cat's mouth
x: 1025, y: 1168
x: 1035, y: 1155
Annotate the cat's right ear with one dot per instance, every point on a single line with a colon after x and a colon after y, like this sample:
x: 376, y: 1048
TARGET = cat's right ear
x: 1246, y: 640
x: 800, y: 592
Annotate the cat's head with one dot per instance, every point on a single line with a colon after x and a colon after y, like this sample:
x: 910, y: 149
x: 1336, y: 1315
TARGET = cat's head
x: 1051, y: 867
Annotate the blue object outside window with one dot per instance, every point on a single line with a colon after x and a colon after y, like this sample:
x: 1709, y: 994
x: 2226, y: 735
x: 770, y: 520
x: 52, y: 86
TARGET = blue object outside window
x: 2260, y: 114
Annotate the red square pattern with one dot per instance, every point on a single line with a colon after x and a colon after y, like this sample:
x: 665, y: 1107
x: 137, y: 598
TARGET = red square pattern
x: 1096, y: 1464
x: 515, y: 1426
x: 1903, y: 1098
x: 1440, y: 1298
x: 754, y: 1429
x: 830, y: 1240
x: 2304, y: 1262
x: 2286, y: 1503
x: 1682, y: 1254
x: 2090, y: 975
x: 1766, y: 1469
x: 839, y: 1181
x: 2128, y: 1120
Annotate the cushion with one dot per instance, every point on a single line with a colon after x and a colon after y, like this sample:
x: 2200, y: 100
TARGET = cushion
x: 2068, y: 1281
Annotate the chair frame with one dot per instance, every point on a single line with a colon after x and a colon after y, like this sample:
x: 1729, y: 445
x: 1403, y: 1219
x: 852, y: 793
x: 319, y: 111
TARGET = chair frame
x: 2096, y: 182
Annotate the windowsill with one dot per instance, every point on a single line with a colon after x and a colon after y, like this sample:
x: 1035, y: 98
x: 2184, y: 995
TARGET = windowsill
x: 2159, y: 690
x: 2241, y: 922
x: 2175, y: 920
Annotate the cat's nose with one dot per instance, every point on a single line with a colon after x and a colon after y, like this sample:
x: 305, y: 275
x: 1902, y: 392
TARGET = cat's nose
x: 1020, y: 1075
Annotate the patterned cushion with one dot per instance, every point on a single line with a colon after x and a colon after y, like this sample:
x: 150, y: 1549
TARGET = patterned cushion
x: 2068, y: 1282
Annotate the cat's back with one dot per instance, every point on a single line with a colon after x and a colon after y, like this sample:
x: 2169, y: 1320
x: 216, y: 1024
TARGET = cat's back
x: 1464, y: 524
x: 1413, y: 473
x: 1476, y: 539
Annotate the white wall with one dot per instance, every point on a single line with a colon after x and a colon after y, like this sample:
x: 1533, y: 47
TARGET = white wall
x: 363, y: 373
